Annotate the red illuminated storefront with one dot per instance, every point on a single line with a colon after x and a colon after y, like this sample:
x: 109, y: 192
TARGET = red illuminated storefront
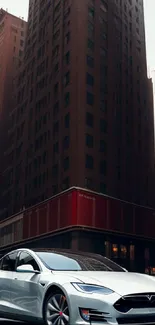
x: 81, y: 219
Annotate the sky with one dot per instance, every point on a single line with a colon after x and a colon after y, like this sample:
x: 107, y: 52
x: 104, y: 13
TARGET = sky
x: 20, y: 8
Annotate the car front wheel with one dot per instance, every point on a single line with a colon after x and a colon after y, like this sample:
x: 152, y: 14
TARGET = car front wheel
x: 56, y: 311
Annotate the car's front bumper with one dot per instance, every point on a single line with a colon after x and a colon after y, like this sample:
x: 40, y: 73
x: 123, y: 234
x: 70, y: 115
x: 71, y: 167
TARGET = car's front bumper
x: 103, y: 305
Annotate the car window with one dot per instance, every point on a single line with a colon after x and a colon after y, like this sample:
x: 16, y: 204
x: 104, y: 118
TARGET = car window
x: 26, y: 258
x: 76, y: 262
x: 9, y: 262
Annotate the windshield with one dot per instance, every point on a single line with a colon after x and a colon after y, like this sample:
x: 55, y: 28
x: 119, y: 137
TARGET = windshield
x: 73, y: 262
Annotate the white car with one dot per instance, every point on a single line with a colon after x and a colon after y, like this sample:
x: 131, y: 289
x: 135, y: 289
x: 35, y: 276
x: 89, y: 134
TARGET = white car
x: 60, y: 287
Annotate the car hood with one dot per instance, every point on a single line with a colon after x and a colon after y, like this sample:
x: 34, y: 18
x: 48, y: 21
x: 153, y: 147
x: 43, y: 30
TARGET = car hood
x: 122, y: 283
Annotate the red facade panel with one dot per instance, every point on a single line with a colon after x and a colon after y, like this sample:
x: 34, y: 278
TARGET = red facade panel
x: 144, y: 222
x: 80, y: 207
x: 86, y: 209
x: 42, y: 219
x: 65, y: 211
x: 74, y: 208
x: 26, y: 224
x: 34, y: 223
x: 52, y: 219
x: 101, y: 212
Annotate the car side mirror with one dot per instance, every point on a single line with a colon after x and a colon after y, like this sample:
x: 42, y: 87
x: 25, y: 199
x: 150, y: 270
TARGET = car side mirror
x: 27, y: 268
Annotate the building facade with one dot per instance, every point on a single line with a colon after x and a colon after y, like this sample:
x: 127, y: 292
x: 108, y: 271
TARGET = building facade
x: 84, y: 109
x: 79, y: 219
x: 12, y: 42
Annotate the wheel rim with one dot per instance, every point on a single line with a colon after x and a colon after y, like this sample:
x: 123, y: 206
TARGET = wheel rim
x: 57, y: 312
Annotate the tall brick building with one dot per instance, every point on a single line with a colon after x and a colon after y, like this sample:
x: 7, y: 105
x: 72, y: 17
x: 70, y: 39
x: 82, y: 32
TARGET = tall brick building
x: 12, y: 42
x: 84, y: 109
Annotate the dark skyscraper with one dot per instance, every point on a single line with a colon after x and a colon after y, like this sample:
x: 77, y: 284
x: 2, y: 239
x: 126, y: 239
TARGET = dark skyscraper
x: 12, y: 41
x: 84, y: 111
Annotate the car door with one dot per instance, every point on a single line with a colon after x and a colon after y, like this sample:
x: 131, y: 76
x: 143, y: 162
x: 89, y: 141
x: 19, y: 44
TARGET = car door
x: 7, y: 268
x: 26, y: 293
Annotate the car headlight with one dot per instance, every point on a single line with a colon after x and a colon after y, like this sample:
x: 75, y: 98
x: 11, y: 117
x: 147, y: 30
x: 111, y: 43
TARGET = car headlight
x: 92, y: 288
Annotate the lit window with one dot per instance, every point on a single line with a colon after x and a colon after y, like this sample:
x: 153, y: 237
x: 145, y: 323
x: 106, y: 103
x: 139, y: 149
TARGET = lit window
x: 115, y: 250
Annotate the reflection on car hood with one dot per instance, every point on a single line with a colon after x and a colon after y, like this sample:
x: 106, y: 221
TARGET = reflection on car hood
x: 121, y: 282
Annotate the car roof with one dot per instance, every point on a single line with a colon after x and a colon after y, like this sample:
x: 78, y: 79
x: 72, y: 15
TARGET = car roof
x: 67, y: 251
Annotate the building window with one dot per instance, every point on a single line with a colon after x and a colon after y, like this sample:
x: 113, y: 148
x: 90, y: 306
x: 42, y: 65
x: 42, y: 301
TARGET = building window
x: 90, y: 61
x: 90, y: 44
x: 88, y: 183
x: 123, y: 251
x: 91, y: 30
x: 56, y: 128
x: 55, y: 189
x: 67, y: 58
x: 20, y: 53
x: 55, y: 170
x: 67, y: 99
x: 66, y: 142
x: 89, y: 119
x: 65, y: 183
x: 67, y: 121
x: 21, y: 42
x: 56, y: 147
x: 89, y: 141
x: 67, y: 79
x: 102, y: 146
x: 56, y: 67
x: 103, y: 52
x: 56, y: 109
x: 90, y: 79
x: 115, y: 251
x: 56, y: 35
x: 104, y: 6
x: 103, y: 188
x: 44, y: 157
x: 103, y: 167
x: 103, y: 126
x: 67, y: 38
x: 90, y: 98
x: 89, y: 162
x: 56, y: 88
x: 66, y: 163
x: 103, y: 106
x: 91, y: 12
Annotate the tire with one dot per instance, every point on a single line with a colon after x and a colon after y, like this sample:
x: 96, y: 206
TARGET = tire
x: 56, y: 311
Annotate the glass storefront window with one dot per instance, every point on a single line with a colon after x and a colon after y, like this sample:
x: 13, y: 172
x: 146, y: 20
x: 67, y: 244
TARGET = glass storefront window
x: 114, y: 250
x: 123, y: 251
